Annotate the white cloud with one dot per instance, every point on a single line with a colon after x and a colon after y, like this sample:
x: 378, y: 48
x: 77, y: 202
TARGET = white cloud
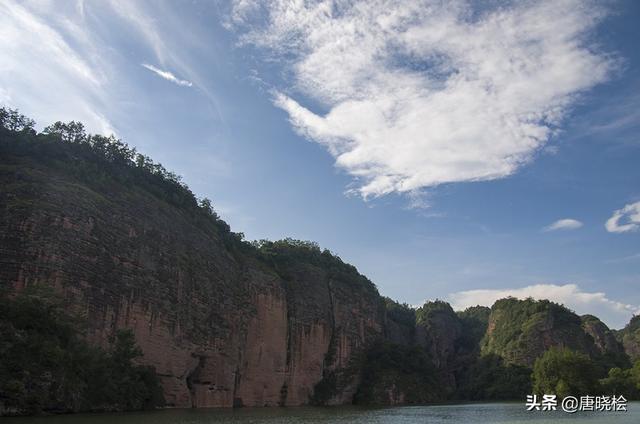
x: 162, y: 28
x: 423, y: 93
x: 42, y: 74
x: 167, y: 75
x: 64, y: 60
x: 145, y: 25
x: 564, y: 224
x: 614, y: 314
x: 624, y: 220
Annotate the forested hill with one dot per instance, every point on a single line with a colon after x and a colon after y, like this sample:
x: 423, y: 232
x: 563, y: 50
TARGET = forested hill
x: 112, y: 270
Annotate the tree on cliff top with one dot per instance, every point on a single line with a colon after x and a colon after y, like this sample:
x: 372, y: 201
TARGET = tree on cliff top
x: 102, y: 161
x: 13, y: 121
x: 517, y: 328
x: 284, y: 255
x: 401, y: 313
x: 426, y: 313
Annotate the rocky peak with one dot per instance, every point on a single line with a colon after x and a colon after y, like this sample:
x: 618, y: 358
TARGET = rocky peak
x: 630, y: 338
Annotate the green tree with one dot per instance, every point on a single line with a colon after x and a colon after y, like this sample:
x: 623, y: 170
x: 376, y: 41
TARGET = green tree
x: 397, y: 371
x: 401, y: 313
x: 564, y: 372
x: 489, y: 378
x: 622, y: 382
x: 12, y: 120
x: 70, y: 132
x: 206, y: 205
x: 45, y: 364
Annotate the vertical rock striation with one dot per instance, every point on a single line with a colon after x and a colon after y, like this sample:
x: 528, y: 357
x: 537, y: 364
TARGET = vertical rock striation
x: 225, y: 323
x: 221, y: 327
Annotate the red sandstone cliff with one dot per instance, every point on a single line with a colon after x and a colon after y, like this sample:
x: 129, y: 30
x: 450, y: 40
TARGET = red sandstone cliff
x: 221, y: 327
x: 225, y: 323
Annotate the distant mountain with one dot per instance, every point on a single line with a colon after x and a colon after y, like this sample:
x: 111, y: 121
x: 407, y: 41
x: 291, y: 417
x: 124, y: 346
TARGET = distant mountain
x: 488, y: 353
x: 522, y: 330
x: 224, y: 322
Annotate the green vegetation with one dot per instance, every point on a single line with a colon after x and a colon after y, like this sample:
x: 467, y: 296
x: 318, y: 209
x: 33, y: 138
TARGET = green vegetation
x: 518, y: 330
x: 485, y: 377
x: 482, y: 353
x: 426, y: 313
x: 630, y: 337
x: 104, y: 163
x: 478, y: 315
x: 565, y: 372
x: 520, y: 326
x: 285, y: 255
x: 401, y: 313
x: 489, y: 378
x: 613, y: 355
x: 623, y: 381
x: 46, y: 367
x: 474, y: 326
x: 394, y: 373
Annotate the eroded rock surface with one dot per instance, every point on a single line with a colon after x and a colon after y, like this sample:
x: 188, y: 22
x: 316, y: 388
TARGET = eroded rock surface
x: 221, y: 327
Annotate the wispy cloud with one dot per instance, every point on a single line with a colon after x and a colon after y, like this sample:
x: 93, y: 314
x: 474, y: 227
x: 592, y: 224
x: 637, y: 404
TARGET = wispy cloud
x: 613, y: 313
x: 167, y: 75
x: 423, y: 93
x: 623, y: 259
x: 145, y: 25
x: 61, y: 61
x: 615, y: 120
x: 624, y: 220
x: 43, y: 74
x: 162, y: 29
x: 564, y: 224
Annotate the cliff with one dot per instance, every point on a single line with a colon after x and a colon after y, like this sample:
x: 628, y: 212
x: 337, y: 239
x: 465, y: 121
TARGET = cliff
x: 222, y: 325
x: 629, y: 336
x: 604, y: 339
x: 224, y: 322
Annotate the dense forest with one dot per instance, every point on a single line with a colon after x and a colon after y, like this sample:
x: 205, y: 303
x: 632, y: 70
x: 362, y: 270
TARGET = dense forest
x: 47, y: 365
x: 425, y: 354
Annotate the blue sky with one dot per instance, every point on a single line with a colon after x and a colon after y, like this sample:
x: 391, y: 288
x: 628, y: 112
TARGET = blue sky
x: 462, y: 153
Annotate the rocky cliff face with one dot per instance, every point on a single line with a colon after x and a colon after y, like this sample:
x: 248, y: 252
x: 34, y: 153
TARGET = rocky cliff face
x: 604, y: 339
x: 438, y: 330
x: 228, y: 324
x: 629, y: 336
x: 430, y: 355
x: 221, y: 327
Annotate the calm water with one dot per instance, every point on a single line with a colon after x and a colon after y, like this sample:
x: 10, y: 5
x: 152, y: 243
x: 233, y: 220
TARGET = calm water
x: 469, y: 413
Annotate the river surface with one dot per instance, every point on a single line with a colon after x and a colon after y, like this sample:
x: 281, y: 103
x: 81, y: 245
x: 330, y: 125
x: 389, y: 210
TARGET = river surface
x: 503, y: 413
